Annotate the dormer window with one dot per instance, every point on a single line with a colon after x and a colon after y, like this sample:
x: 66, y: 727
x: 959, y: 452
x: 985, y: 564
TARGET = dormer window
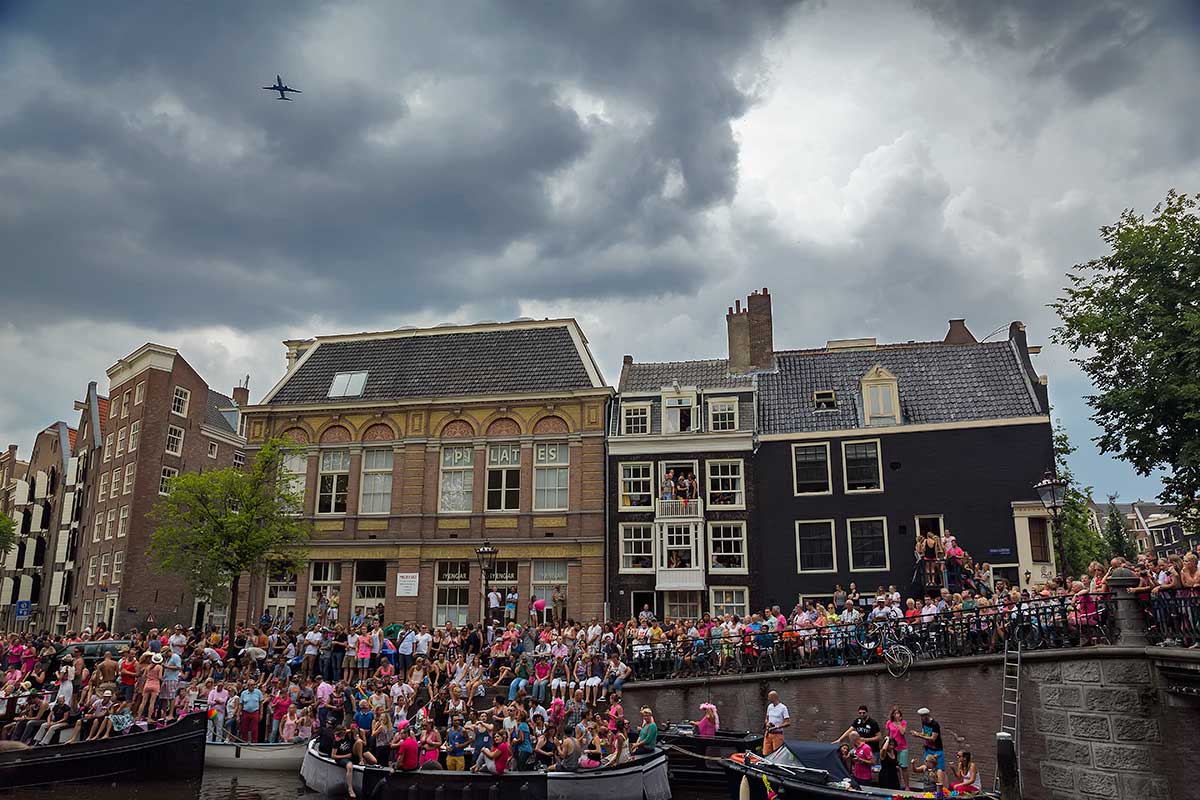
x: 723, y: 414
x: 635, y: 419
x: 679, y: 413
x: 881, y: 398
x: 825, y: 400
x: 348, y: 384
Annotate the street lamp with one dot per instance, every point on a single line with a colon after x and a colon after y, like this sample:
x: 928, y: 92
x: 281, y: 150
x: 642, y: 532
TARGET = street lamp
x: 486, y: 554
x: 1052, y: 491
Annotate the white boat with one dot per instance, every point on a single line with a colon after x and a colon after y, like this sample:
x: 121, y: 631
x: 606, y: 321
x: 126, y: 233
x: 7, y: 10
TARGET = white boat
x: 236, y: 755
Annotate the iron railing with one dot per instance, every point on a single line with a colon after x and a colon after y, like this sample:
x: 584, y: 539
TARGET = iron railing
x: 1040, y: 624
x: 1172, y: 617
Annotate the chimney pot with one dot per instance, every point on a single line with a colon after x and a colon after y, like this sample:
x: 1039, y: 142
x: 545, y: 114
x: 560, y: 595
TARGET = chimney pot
x: 737, y: 304
x: 241, y: 396
x: 628, y: 359
x: 959, y: 333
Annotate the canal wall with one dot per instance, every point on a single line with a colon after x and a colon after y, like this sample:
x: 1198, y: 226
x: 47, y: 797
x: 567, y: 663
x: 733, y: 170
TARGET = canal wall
x: 1098, y: 722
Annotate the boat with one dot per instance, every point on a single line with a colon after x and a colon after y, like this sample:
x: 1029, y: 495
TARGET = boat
x: 804, y: 771
x: 180, y: 744
x: 643, y: 778
x: 692, y: 759
x: 243, y: 755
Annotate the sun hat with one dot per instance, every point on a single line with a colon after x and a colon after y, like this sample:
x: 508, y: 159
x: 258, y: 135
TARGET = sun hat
x: 156, y: 658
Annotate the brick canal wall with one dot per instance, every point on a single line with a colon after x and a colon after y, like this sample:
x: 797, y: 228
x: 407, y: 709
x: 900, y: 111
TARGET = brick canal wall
x: 1095, y: 723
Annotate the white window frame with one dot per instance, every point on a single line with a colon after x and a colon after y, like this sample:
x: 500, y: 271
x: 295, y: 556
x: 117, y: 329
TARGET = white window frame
x: 708, y: 487
x: 878, y: 462
x: 622, y: 494
x: 120, y: 451
x: 463, y: 585
x: 644, y: 408
x: 114, y: 486
x: 542, y: 586
x: 712, y: 600
x: 825, y: 396
x: 91, y: 578
x: 105, y: 558
x: 135, y: 430
x: 672, y: 600
x: 295, y: 480
x: 178, y: 451
x: 712, y: 413
x: 887, y: 556
x: 344, y: 384
x: 884, y: 387
x: 102, y: 494
x: 98, y: 527
x: 331, y: 582
x: 541, y: 469
x: 506, y: 471
x: 691, y: 546
x: 108, y: 443
x: 468, y: 493
x: 110, y: 522
x: 941, y: 531
x: 123, y: 522
x: 378, y: 588
x: 180, y: 403
x: 375, y: 472
x: 130, y: 472
x: 828, y: 470
x: 239, y: 458
x: 118, y: 567
x: 214, y: 449
x: 667, y: 409
x: 125, y: 404
x: 113, y: 407
x: 651, y: 540
x: 139, y: 393
x: 322, y: 472
x: 832, y: 525
x: 163, y: 477
x: 712, y: 551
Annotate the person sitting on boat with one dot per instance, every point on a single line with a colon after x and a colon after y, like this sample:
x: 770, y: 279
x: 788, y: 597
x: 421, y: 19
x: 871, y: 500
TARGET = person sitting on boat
x: 431, y: 742
x: 567, y: 754
x: 933, y: 779
x: 620, y: 746
x: 494, y: 760
x: 408, y: 756
x: 966, y: 773
x: 647, y: 734
x: 710, y: 720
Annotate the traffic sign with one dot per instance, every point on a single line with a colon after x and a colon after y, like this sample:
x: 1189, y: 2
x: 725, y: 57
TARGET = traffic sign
x: 22, y: 610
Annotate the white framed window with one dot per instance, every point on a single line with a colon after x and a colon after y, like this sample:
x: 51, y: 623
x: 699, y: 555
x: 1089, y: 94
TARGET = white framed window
x: 174, y: 440
x: 120, y: 443
x: 679, y: 413
x: 294, y: 474
x: 726, y: 488
x: 103, y: 493
x: 811, y: 472
x: 376, y: 495
x: 108, y: 443
x: 681, y: 605
x: 135, y: 430
x: 125, y: 403
x: 724, y: 600
x: 452, y: 592
x: 123, y: 522
x: 727, y: 547
x: 104, y: 563
x: 868, y: 545
x: 113, y: 407
x: 348, y: 384
x: 87, y: 611
x: 91, y: 571
x: 503, y: 477
x: 862, y: 466
x: 239, y: 459
x: 214, y: 449
x: 333, y: 481
x: 164, y: 480
x: 635, y: 419
x: 637, y: 547
x: 98, y: 527
x: 637, y: 486
x: 545, y: 576
x: 679, y: 546
x: 723, y: 414
x: 139, y: 393
x: 825, y: 400
x: 180, y: 401
x: 127, y: 486
x: 280, y: 594
x: 456, y: 493
x: 816, y: 550
x: 326, y: 579
x: 370, y: 582
x: 551, y: 472
x: 110, y: 524
x: 114, y: 487
x: 118, y: 565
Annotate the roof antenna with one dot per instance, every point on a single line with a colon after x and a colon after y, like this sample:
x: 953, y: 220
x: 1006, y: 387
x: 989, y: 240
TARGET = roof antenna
x: 993, y: 333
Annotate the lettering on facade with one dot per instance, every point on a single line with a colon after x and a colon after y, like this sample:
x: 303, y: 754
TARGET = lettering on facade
x: 407, y: 584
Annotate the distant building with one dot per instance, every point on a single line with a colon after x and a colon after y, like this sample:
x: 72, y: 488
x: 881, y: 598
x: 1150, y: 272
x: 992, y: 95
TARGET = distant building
x: 1152, y: 527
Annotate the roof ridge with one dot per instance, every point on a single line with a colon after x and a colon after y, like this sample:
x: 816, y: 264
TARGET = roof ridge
x: 684, y: 361
x: 885, y: 346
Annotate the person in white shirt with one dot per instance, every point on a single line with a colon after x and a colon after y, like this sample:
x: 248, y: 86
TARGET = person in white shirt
x: 312, y: 647
x: 776, y: 720
x: 178, y: 641
x: 494, y: 599
x: 408, y: 640
x: 421, y: 642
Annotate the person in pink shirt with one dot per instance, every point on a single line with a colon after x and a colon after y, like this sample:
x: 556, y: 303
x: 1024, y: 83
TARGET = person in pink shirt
x: 864, y: 759
x: 897, y: 728
x: 706, y: 726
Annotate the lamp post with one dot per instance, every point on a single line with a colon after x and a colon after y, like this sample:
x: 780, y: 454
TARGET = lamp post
x: 486, y: 554
x: 1052, y: 491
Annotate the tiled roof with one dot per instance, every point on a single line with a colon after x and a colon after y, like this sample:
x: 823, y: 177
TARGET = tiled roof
x: 212, y: 412
x: 937, y: 382
x: 71, y: 434
x: 495, y: 360
x: 652, y: 376
x: 102, y: 404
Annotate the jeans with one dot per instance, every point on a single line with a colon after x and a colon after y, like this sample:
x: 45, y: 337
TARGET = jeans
x: 614, y: 685
x: 274, y: 737
x: 335, y: 669
x: 216, y: 727
x: 517, y: 685
x: 541, y: 690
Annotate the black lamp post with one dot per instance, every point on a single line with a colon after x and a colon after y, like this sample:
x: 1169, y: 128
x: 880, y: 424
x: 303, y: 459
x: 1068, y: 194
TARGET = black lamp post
x: 486, y: 554
x: 1052, y: 491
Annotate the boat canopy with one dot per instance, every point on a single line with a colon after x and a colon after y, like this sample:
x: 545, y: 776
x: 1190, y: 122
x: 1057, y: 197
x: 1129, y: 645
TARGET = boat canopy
x: 813, y: 755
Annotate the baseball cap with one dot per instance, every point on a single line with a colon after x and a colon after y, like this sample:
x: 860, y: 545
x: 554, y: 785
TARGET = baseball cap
x: 924, y: 712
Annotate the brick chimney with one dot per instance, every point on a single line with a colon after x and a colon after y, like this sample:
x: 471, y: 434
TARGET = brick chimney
x: 958, y: 333
x: 762, y: 338
x: 241, y: 394
x: 737, y: 325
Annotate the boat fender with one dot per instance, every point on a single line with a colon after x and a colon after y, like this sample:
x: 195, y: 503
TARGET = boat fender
x: 740, y: 758
x: 744, y: 789
x: 493, y: 792
x: 414, y: 792
x: 525, y: 793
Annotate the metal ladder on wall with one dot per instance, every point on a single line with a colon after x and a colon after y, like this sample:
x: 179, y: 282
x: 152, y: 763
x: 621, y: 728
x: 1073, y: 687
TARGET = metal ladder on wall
x: 1010, y: 704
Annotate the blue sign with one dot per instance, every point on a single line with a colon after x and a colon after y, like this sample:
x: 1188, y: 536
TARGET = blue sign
x: 22, y: 610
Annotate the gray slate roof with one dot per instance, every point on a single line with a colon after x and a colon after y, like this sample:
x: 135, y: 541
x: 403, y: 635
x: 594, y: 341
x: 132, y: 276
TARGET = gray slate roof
x: 499, y: 361
x: 212, y: 413
x: 652, y: 376
x: 937, y: 383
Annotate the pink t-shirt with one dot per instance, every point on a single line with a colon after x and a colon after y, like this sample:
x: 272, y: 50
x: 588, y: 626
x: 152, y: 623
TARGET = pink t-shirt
x: 896, y: 731
x: 706, y: 727
x: 862, y: 769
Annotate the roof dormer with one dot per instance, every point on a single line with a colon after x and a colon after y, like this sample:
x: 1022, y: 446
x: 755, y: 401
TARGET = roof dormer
x: 881, y: 397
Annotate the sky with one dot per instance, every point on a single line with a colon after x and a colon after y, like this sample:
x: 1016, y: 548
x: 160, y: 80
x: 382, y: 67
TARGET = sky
x: 882, y: 167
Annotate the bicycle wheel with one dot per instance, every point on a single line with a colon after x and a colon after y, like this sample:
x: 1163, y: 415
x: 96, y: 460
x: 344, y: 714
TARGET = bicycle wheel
x: 899, y: 658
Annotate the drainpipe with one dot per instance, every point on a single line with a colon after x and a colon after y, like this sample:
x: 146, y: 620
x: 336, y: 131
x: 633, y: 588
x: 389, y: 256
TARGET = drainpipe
x: 607, y: 423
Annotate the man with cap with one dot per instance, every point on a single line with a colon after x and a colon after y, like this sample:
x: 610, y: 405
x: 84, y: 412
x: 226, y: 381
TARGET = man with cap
x: 178, y: 641
x: 931, y: 734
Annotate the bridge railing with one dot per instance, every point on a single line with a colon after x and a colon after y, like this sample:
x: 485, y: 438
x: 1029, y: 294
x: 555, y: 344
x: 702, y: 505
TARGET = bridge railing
x: 1039, y: 624
x: 1172, y: 617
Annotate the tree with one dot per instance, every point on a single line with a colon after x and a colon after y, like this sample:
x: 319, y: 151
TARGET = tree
x: 8, y: 534
x: 1082, y: 543
x: 1133, y: 317
x: 215, y: 526
x: 1115, y: 535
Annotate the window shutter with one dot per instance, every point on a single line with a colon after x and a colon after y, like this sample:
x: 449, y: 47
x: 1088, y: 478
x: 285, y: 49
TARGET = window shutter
x: 67, y: 509
x: 60, y: 549
x: 56, y: 587
x: 21, y: 493
x: 72, y: 471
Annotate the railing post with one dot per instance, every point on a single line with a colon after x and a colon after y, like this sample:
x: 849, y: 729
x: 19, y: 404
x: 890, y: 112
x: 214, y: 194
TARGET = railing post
x: 1131, y: 624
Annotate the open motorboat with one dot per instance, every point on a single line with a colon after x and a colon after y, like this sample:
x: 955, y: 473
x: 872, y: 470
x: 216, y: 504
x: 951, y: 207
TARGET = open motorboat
x: 244, y: 755
x: 692, y: 759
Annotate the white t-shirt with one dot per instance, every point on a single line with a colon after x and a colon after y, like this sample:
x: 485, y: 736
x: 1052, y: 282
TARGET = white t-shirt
x: 351, y: 642
x: 406, y: 644
x: 178, y: 642
x: 776, y: 714
x: 493, y: 599
x: 421, y: 646
x: 312, y: 643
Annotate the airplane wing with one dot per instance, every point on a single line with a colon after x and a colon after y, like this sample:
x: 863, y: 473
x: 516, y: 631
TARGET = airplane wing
x: 269, y: 88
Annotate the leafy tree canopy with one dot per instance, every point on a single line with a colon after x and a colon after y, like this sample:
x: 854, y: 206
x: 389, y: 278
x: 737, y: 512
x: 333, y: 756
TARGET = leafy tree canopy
x: 8, y: 534
x: 1115, y: 534
x: 1083, y: 544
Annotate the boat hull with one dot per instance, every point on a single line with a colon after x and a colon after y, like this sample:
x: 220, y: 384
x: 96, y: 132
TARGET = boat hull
x: 227, y: 755
x: 143, y: 754
x: 738, y: 776
x: 690, y: 758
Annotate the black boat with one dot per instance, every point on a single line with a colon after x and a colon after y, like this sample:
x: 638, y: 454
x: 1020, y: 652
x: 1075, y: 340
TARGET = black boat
x: 804, y: 771
x: 693, y: 760
x: 179, y: 746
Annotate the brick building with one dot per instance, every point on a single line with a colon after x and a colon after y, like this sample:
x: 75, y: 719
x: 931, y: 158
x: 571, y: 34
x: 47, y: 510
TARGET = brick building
x: 419, y: 445
x: 161, y: 419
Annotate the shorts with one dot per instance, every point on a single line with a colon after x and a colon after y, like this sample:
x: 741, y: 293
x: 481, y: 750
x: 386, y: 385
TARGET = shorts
x: 170, y: 689
x: 456, y: 763
x: 363, y: 663
x: 348, y: 660
x: 941, y: 757
x: 902, y: 758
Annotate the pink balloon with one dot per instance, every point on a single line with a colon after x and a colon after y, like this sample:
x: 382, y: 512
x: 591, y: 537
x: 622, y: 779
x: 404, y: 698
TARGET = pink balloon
x: 539, y: 604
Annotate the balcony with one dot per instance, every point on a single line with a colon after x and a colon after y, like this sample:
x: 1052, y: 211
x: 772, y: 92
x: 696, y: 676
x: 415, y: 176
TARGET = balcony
x: 674, y: 580
x: 679, y: 509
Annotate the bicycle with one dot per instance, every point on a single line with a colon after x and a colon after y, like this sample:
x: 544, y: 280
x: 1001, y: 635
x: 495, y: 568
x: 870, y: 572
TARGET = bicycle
x: 897, y: 657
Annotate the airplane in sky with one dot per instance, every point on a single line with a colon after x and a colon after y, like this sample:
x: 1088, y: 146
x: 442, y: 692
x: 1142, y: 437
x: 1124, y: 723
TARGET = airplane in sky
x: 281, y: 88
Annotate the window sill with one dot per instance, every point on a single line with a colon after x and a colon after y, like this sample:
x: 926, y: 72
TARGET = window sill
x: 826, y: 493
x: 649, y: 571
x: 871, y: 569
x: 719, y: 571
x: 864, y: 491
x: 816, y: 572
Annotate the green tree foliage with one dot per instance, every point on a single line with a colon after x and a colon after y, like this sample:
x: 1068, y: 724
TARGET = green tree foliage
x: 1115, y: 535
x: 1083, y: 544
x: 1133, y: 318
x: 8, y: 534
x: 215, y: 526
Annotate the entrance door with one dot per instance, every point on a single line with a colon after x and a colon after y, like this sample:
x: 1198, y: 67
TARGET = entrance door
x: 640, y: 599
x: 199, y: 614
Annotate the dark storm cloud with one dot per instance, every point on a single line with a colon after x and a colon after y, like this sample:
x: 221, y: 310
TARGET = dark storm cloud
x: 422, y: 149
